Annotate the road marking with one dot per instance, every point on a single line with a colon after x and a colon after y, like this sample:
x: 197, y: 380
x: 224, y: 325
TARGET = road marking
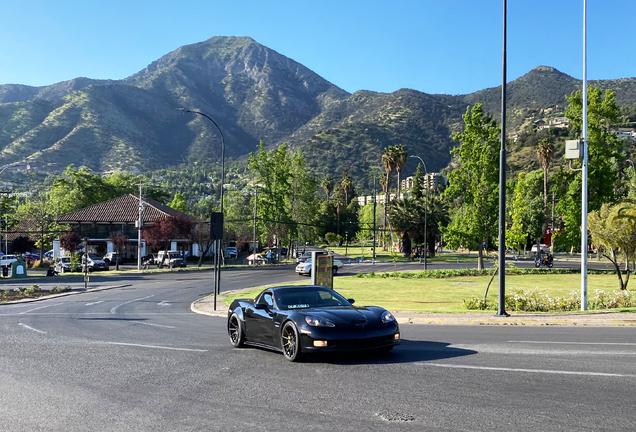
x: 151, y: 324
x: 31, y: 328
x: 576, y: 343
x: 114, y: 310
x: 542, y: 371
x: 41, y: 307
x: 156, y: 346
x: 163, y: 303
x: 94, y: 303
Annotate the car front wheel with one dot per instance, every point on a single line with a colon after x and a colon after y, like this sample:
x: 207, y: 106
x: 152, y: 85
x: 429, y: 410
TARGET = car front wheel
x: 290, y: 342
x: 335, y: 271
x: 235, y: 330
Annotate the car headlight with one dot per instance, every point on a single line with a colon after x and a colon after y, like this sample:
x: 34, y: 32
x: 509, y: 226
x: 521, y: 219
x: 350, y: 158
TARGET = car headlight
x: 387, y: 317
x: 317, y: 321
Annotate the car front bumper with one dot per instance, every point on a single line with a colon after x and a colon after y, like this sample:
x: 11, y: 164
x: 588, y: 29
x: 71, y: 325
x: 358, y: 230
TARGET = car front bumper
x: 344, y: 341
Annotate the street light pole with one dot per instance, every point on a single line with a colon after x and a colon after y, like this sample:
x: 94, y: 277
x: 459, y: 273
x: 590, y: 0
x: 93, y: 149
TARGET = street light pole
x: 217, y: 266
x: 425, y: 213
x: 584, y: 170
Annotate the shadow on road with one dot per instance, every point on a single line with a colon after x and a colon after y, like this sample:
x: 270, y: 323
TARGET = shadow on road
x: 407, y: 352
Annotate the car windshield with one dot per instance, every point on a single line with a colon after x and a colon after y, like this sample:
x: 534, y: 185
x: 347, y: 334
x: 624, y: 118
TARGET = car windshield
x: 94, y: 256
x: 308, y: 297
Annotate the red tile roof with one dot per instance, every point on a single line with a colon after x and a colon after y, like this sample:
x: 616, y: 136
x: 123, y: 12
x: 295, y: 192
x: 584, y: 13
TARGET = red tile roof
x: 124, y: 209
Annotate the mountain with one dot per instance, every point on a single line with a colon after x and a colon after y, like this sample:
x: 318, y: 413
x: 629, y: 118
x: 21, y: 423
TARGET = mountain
x: 253, y: 93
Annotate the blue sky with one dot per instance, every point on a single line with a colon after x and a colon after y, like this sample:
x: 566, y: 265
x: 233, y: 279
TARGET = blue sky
x: 435, y: 46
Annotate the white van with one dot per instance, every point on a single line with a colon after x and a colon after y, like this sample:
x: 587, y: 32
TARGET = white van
x: 172, y: 259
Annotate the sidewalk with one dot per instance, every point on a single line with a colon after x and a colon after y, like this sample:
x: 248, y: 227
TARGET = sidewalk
x: 205, y: 306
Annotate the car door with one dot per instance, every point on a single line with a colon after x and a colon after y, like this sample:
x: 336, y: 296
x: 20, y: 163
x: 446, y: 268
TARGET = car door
x: 259, y: 322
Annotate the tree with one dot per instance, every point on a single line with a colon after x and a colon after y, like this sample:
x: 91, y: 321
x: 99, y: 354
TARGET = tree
x: 22, y: 244
x: 327, y: 185
x: 346, y: 184
x: 528, y: 213
x: 473, y: 187
x: 388, y: 162
x: 400, y: 157
x: 71, y: 242
x: 167, y: 229
x: 417, y: 191
x: 179, y: 203
x: 613, y: 231
x: 200, y: 235
x: 120, y: 241
x: 604, y: 151
x: 406, y: 216
x: 545, y: 153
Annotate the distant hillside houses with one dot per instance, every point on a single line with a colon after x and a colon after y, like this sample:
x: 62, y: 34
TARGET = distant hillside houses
x: 557, y: 122
x: 628, y: 133
x: 431, y: 181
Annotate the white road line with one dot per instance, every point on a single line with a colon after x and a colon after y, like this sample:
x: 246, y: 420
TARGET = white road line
x: 94, y: 303
x: 41, y: 307
x: 575, y: 343
x: 114, y: 310
x: 156, y: 346
x: 151, y: 324
x: 31, y: 328
x: 541, y: 371
x: 163, y: 303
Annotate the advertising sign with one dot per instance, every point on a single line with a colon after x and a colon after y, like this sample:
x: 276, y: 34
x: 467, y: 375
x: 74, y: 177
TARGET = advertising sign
x: 322, y: 270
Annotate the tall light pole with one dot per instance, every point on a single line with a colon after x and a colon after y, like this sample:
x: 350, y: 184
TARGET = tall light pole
x: 501, y: 310
x: 584, y: 170
x: 217, y: 266
x: 425, y: 212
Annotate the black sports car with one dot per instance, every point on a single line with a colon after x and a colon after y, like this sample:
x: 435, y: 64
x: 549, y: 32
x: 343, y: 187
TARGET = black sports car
x: 310, y: 319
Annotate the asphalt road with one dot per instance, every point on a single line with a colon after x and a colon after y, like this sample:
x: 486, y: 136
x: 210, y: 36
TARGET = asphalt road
x: 135, y: 358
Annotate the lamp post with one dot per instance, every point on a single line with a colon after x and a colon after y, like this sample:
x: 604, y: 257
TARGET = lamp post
x: 217, y: 266
x: 3, y: 169
x: 425, y: 212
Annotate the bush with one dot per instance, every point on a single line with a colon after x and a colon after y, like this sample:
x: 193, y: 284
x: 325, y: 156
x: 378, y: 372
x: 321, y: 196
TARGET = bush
x: 60, y: 289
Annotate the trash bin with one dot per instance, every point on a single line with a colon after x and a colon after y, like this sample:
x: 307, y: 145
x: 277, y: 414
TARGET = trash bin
x: 5, y: 271
x: 18, y: 270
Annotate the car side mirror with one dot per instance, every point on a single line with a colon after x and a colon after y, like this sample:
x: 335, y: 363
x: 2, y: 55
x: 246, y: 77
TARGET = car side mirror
x: 260, y: 306
x: 352, y: 301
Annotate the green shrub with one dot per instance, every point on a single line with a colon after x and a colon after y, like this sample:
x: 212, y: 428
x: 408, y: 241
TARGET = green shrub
x: 60, y: 289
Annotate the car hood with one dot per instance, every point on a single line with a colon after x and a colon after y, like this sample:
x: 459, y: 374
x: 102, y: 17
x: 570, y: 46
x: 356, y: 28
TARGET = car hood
x: 345, y: 314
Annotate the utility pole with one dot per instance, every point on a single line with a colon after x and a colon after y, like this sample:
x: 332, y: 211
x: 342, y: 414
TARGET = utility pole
x: 140, y: 223
x: 255, y: 213
x: 375, y: 202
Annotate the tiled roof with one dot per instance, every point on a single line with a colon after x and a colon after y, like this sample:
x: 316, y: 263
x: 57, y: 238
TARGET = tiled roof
x: 124, y: 209
x: 27, y: 228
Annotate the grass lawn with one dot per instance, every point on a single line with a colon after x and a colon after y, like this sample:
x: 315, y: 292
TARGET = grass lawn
x: 447, y: 295
x: 356, y: 251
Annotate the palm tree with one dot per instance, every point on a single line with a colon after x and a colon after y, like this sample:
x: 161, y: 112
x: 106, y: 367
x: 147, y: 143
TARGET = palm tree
x: 406, y: 217
x: 400, y: 156
x: 545, y: 153
x: 327, y: 185
x: 388, y: 161
x: 346, y: 184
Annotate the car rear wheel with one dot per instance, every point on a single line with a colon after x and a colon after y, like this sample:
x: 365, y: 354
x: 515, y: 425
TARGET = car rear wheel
x: 290, y: 342
x: 235, y: 330
x: 335, y: 270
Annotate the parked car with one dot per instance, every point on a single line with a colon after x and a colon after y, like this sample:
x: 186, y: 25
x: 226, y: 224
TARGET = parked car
x: 49, y: 255
x: 307, y: 255
x: 171, y: 259
x: 300, y: 320
x: 30, y: 257
x: 544, y: 248
x: 7, y: 260
x: 231, y: 252
x: 305, y: 267
x: 112, y: 258
x: 95, y: 263
x: 63, y: 264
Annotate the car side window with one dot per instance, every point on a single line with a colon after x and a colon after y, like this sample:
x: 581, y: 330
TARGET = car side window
x: 267, y: 299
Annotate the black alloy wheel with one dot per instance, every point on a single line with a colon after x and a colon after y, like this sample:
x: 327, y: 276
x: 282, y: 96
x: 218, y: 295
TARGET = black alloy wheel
x: 235, y: 330
x: 290, y: 342
x: 335, y: 270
